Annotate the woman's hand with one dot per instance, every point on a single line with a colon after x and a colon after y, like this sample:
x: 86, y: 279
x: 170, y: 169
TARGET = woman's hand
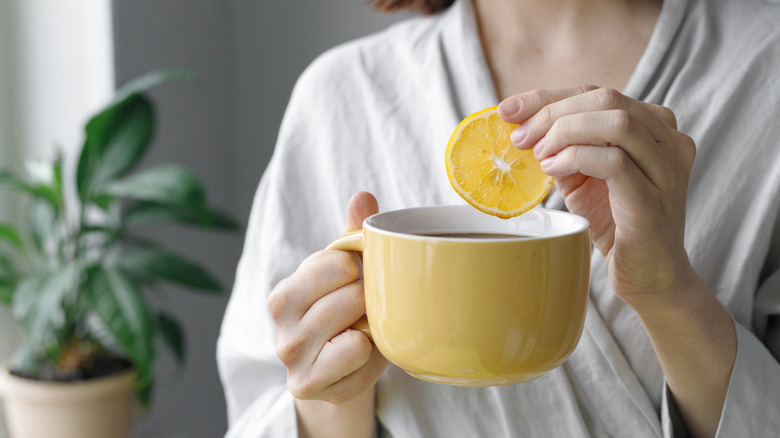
x: 331, y: 369
x: 622, y: 164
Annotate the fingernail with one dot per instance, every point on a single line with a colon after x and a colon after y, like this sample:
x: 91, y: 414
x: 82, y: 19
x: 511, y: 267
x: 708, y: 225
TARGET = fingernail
x: 538, y: 148
x: 547, y: 162
x: 518, y: 135
x: 509, y: 107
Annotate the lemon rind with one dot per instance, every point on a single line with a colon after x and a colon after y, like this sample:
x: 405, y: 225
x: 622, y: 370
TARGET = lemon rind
x: 485, y: 113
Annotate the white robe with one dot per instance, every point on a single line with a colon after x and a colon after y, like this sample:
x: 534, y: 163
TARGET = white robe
x: 375, y: 114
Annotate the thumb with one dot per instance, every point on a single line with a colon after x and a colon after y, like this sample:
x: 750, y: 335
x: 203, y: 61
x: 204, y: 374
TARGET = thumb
x: 361, y: 206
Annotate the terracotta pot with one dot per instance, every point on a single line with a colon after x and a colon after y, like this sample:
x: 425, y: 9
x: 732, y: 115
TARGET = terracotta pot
x: 95, y: 408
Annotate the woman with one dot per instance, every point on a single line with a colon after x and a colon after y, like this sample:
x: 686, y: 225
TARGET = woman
x: 667, y: 348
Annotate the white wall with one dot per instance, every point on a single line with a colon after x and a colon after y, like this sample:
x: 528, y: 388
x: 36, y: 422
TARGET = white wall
x: 10, y: 333
x: 55, y: 71
x: 248, y: 54
x: 58, y: 71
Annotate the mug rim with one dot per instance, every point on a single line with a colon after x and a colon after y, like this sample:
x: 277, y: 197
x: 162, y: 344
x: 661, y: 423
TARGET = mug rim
x: 577, y: 224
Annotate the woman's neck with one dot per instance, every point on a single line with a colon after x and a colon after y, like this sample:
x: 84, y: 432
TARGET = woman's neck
x: 549, y: 43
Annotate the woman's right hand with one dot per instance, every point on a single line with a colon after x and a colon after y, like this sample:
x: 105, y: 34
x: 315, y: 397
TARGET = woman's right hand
x: 313, y: 310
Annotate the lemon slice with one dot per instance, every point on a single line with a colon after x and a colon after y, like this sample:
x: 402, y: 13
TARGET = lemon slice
x: 488, y: 172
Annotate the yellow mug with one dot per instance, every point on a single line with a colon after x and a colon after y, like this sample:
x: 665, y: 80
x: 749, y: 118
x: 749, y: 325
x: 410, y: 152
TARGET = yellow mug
x: 460, y: 297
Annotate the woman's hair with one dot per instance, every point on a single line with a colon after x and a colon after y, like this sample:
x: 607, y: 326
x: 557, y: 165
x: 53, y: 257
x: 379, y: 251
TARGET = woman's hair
x: 427, y: 7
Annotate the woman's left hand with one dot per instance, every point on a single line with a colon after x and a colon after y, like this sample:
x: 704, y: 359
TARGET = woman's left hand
x: 622, y: 164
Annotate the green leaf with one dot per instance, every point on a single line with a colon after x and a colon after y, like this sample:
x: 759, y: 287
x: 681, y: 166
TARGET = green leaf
x: 7, y: 266
x: 6, y: 293
x: 42, y: 220
x: 171, y: 267
x: 116, y: 140
x: 103, y: 201
x: 143, y: 213
x: 169, y: 185
x: 173, y: 335
x: 144, y: 389
x: 57, y: 181
x: 10, y: 235
x: 47, y: 175
x: 26, y: 359
x: 119, y: 135
x: 151, y: 80
x: 8, y: 280
x: 38, y: 302
x: 117, y: 301
x: 13, y: 180
x: 39, y: 191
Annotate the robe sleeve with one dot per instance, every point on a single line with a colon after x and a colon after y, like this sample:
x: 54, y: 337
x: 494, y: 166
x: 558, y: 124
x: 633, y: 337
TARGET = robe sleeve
x: 752, y: 405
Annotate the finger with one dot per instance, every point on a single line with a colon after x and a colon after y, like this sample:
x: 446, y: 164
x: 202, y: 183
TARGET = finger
x: 359, y: 381
x: 361, y: 206
x: 349, y: 376
x: 623, y: 177
x: 299, y: 342
x: 602, y: 99
x: 334, y: 313
x: 339, y: 357
x: 664, y: 114
x: 342, y: 356
x: 518, y: 108
x: 320, y: 274
x: 612, y: 128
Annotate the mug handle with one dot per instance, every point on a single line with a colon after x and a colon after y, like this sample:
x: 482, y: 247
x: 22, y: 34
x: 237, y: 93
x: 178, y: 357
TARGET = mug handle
x: 353, y: 241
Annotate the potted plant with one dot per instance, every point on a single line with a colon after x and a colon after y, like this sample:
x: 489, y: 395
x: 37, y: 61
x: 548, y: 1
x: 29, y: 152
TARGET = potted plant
x: 76, y: 276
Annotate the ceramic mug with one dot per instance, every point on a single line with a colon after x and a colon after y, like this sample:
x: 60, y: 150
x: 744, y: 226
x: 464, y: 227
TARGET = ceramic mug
x: 451, y: 299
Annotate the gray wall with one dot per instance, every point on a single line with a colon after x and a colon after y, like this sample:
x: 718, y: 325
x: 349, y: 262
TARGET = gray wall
x: 248, y: 54
x: 273, y: 41
x: 194, y: 130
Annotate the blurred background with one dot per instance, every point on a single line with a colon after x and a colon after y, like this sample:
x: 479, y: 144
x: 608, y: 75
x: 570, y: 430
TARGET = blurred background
x: 61, y: 60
